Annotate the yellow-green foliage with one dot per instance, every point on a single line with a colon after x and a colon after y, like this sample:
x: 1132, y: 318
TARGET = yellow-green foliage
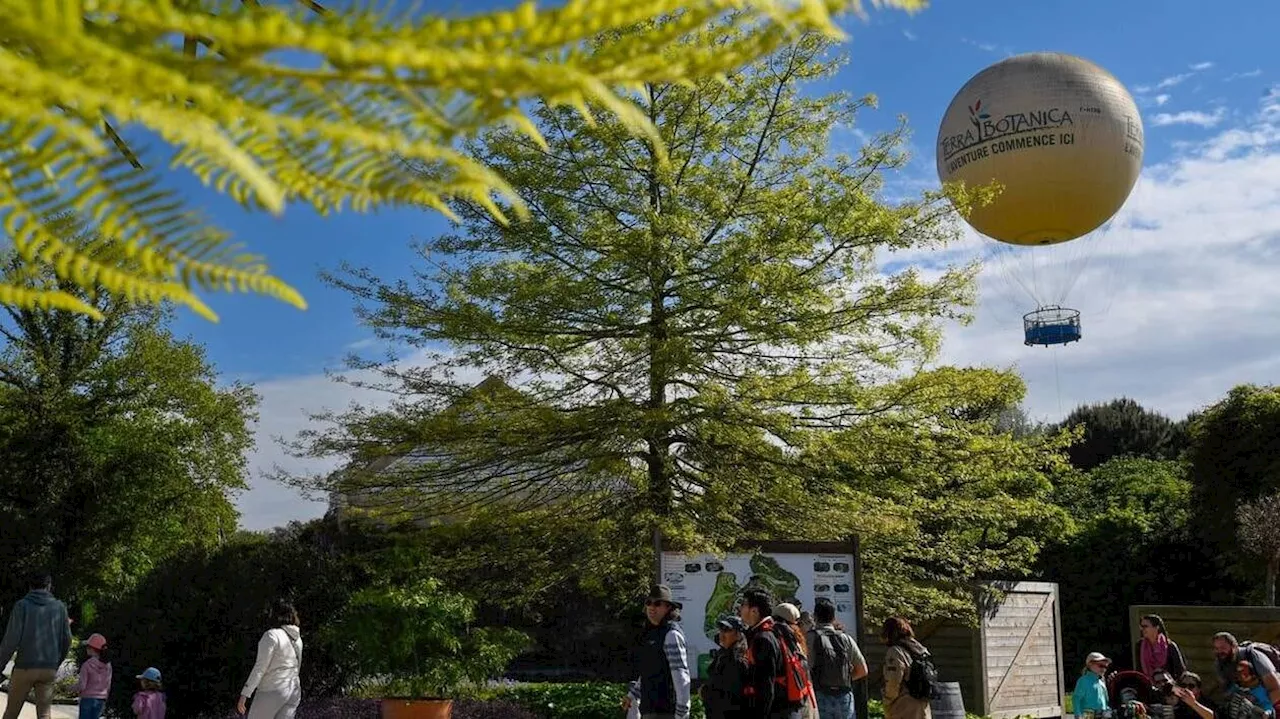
x: 371, y: 118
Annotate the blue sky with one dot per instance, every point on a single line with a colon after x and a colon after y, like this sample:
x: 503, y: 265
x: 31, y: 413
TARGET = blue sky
x: 1202, y: 75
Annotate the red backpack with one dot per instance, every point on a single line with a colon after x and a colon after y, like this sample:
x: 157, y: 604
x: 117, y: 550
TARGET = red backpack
x: 795, y: 681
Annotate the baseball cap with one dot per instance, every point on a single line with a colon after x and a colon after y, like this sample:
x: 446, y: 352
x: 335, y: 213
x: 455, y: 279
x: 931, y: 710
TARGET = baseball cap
x: 731, y: 623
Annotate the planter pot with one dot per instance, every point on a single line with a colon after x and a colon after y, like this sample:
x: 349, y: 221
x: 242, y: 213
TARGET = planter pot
x: 415, y: 708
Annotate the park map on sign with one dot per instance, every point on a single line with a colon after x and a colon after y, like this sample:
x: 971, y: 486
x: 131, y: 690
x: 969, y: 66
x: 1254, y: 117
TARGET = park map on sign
x: 766, y: 574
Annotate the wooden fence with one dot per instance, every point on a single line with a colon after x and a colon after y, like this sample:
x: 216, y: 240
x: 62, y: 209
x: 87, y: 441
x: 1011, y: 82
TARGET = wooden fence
x: 1193, y: 627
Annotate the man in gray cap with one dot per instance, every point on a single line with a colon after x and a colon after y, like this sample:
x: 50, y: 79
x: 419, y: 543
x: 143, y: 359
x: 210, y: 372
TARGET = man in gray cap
x: 661, y: 690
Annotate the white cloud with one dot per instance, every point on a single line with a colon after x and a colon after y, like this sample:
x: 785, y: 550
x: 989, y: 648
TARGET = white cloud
x: 286, y: 408
x: 909, y: 35
x: 983, y: 46
x: 1201, y: 66
x: 1160, y: 100
x: 1180, y: 300
x: 1243, y: 75
x: 1173, y: 80
x: 1189, y: 117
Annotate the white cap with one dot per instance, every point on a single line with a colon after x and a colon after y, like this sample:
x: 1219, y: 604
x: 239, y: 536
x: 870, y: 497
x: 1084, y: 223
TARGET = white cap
x: 787, y: 612
x: 1096, y: 657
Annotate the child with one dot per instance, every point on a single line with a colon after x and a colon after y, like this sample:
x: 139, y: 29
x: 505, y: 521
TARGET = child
x: 1252, y: 688
x: 94, y: 682
x: 149, y: 702
x: 1091, y: 691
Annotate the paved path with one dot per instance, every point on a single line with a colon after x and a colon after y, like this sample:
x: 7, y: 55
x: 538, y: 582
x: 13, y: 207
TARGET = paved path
x: 60, y: 711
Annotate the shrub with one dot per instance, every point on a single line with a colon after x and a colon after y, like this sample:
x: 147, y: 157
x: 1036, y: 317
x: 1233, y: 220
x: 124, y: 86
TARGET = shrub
x: 490, y: 709
x: 338, y: 708
x: 419, y: 638
x: 594, y: 700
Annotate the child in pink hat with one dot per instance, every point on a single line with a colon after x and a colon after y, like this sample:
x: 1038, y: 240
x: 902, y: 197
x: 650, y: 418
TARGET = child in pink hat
x: 94, y: 683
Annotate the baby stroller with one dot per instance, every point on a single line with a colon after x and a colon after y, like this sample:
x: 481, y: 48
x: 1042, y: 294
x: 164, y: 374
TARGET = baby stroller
x: 1128, y: 686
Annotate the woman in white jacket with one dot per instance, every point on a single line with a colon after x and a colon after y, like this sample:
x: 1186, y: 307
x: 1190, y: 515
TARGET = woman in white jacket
x: 275, y: 674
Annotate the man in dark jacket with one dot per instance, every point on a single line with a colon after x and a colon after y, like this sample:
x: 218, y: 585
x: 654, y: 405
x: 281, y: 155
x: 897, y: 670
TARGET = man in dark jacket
x: 40, y: 633
x: 768, y: 698
x: 662, y: 687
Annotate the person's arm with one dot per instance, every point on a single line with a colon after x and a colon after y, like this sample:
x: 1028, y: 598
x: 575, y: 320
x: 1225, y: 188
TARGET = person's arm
x: 857, y: 662
x: 64, y: 639
x: 1078, y: 700
x: 895, y: 671
x: 266, y: 650
x: 80, y: 677
x: 1177, y: 663
x: 12, y: 634
x: 1266, y: 671
x: 678, y: 661
x: 1187, y: 697
x: 139, y: 703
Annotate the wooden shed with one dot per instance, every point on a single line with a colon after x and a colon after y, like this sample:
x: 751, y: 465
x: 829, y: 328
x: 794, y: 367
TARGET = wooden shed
x: 1010, y: 665
x: 1193, y: 627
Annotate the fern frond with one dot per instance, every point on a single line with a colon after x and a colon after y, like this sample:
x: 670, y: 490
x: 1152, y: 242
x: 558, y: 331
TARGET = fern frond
x: 19, y: 296
x: 389, y: 94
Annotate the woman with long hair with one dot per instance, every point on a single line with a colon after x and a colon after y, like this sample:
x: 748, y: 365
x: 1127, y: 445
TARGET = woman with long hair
x: 903, y: 651
x: 1157, y: 652
x: 274, y: 683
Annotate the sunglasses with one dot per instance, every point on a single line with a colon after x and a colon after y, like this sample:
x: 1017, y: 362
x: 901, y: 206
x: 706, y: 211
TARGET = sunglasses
x: 654, y: 603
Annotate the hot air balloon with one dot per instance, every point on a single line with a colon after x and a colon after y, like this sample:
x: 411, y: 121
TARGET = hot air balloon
x: 1064, y: 139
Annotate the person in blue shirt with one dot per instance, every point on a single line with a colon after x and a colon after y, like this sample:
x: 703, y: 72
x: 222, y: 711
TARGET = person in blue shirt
x: 1091, y: 690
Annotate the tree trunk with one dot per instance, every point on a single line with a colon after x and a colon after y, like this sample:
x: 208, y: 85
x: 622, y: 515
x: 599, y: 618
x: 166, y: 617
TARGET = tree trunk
x: 1273, y: 568
x: 661, y: 493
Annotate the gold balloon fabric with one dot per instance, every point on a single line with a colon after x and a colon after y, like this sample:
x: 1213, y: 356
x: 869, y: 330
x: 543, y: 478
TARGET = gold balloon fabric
x: 1061, y: 135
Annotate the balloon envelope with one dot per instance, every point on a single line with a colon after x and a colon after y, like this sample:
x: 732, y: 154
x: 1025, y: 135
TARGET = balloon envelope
x: 1060, y: 134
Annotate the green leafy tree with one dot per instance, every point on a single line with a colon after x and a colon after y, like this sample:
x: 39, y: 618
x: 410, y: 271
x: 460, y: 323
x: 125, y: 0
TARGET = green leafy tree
x: 681, y: 326
x: 1132, y: 544
x: 118, y: 447
x: 1235, y: 459
x: 247, y: 118
x: 707, y: 347
x: 1122, y: 427
x: 942, y: 495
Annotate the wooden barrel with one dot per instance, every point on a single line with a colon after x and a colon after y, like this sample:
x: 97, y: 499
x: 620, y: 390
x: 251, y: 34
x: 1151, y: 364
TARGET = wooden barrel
x: 947, y: 702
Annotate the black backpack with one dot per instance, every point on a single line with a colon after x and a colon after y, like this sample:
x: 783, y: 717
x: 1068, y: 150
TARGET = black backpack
x: 1267, y: 650
x: 922, y: 677
x: 830, y: 663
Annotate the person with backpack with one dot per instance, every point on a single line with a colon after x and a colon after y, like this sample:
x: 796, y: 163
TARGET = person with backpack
x: 789, y: 614
x: 778, y: 682
x: 835, y: 663
x: 909, y: 676
x: 1262, y: 659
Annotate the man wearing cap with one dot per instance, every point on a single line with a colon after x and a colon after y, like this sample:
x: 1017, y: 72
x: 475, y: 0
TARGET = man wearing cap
x: 40, y: 633
x: 662, y: 664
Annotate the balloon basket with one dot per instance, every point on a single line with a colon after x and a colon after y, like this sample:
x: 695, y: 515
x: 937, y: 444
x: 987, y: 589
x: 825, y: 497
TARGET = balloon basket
x: 1051, y: 325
